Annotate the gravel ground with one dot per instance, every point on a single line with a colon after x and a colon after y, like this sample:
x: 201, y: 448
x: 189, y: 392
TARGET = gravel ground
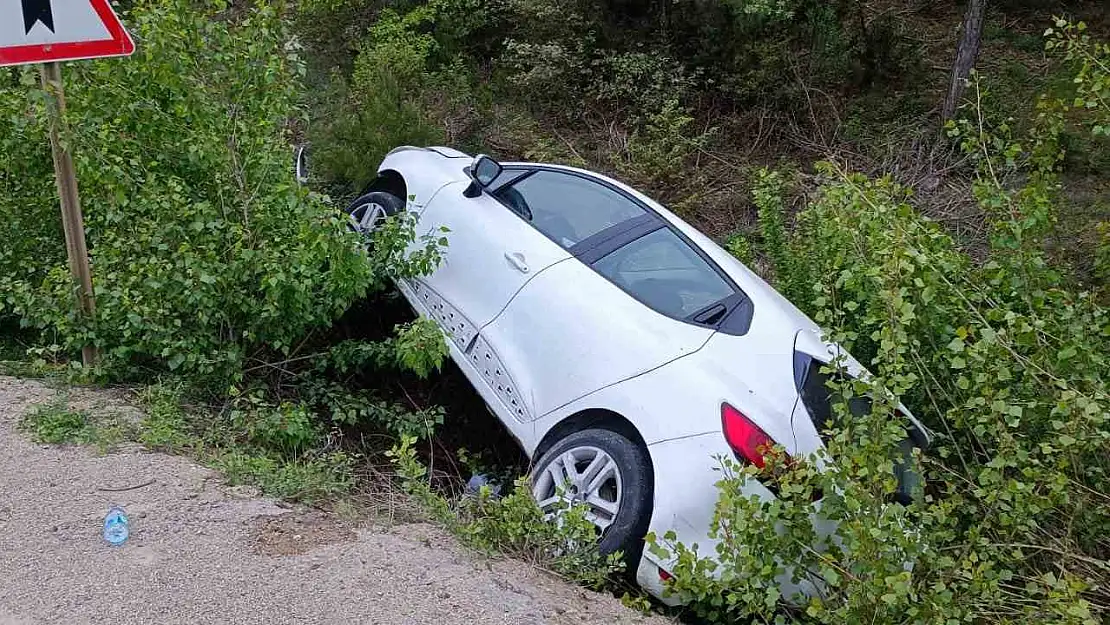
x: 204, y: 553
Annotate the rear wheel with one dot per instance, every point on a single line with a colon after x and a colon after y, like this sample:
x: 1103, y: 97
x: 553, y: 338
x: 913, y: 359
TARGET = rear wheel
x: 367, y: 213
x: 610, y: 475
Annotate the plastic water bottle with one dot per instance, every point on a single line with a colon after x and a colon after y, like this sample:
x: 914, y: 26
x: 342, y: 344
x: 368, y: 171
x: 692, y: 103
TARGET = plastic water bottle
x: 116, y: 527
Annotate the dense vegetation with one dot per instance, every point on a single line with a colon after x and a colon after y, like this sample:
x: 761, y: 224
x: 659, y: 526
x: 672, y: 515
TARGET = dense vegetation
x: 965, y: 263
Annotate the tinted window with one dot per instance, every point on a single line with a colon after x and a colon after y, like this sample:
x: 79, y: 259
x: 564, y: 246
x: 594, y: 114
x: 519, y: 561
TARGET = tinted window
x: 507, y: 176
x: 663, y: 272
x: 813, y: 386
x: 567, y: 208
x: 817, y: 397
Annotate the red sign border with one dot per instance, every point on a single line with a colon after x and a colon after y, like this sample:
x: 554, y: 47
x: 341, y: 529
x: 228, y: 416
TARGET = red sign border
x: 120, y: 44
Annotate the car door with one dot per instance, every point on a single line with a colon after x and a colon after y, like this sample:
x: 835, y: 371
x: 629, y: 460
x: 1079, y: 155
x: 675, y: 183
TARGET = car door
x: 491, y: 253
x: 636, y: 296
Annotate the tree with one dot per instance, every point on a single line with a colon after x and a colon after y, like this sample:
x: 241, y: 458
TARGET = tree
x: 966, y: 54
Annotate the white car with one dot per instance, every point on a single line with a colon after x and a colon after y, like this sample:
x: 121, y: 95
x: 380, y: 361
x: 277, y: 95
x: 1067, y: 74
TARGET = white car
x: 624, y: 350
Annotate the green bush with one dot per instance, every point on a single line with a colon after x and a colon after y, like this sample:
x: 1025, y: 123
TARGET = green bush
x: 513, y: 524
x: 1102, y: 254
x: 644, y: 82
x: 1006, y: 361
x: 660, y: 149
x: 769, y: 194
x: 282, y: 448
x: 204, y: 250
x: 288, y: 427
x: 1090, y: 60
x: 56, y: 423
x: 1003, y: 361
x: 1009, y: 374
x: 408, y: 86
x: 166, y: 427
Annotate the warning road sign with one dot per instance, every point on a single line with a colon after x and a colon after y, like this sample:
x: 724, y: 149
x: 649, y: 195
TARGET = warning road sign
x: 37, y: 31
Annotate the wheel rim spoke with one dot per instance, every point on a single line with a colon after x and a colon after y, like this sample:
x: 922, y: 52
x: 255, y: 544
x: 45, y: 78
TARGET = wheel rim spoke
x: 366, y: 218
x: 595, y: 468
x: 601, y: 523
x: 558, y: 477
x: 550, y: 502
x: 570, y: 473
x: 608, y: 507
x: 373, y: 214
x: 607, y: 472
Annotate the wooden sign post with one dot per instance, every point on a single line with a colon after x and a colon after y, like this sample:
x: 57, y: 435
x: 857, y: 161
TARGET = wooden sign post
x: 73, y: 222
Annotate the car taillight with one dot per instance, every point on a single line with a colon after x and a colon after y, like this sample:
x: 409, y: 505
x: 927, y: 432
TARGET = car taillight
x: 749, y: 442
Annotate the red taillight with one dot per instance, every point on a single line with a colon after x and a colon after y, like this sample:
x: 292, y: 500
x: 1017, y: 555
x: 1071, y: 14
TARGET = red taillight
x: 664, y: 575
x: 746, y: 439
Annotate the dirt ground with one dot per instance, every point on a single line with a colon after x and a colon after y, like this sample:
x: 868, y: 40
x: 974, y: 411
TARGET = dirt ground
x: 201, y: 552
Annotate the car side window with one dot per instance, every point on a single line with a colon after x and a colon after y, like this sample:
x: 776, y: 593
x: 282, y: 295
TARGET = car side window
x: 565, y: 207
x: 665, y: 273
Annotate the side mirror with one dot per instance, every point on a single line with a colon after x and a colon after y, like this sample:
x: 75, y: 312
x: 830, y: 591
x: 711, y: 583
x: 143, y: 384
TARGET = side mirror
x: 483, y: 171
x: 300, y: 164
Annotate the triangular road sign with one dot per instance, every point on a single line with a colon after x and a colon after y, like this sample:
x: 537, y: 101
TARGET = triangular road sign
x: 37, y: 31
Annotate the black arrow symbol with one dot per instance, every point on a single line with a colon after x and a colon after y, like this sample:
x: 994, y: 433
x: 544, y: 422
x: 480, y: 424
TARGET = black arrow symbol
x: 37, y: 11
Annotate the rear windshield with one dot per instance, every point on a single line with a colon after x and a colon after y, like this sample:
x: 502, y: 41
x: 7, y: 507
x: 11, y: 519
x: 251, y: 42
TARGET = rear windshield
x: 813, y: 386
x: 817, y: 397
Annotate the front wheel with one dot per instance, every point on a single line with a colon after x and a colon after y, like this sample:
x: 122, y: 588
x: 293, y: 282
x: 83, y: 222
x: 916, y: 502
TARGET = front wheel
x: 610, y: 475
x: 367, y: 213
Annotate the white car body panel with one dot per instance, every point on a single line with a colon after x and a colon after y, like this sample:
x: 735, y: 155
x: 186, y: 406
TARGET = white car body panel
x: 477, y: 275
x: 522, y: 429
x: 543, y: 337
x: 436, y: 172
x: 562, y: 343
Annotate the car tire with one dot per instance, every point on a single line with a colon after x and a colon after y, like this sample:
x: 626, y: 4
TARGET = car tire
x: 624, y: 531
x: 368, y: 212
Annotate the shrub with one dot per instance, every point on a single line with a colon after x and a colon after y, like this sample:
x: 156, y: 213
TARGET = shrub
x: 204, y: 250
x: 549, y: 46
x: 56, y: 423
x: 312, y: 479
x: 409, y: 85
x: 769, y: 193
x: 661, y: 147
x: 1102, y: 254
x: 1010, y: 375
x: 1090, y: 60
x: 1003, y: 362
x: 644, y: 82
x: 166, y: 427
x: 288, y: 427
x: 281, y: 448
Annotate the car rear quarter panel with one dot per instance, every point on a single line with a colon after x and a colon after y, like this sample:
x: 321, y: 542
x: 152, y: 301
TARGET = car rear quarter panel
x: 569, y: 332
x: 661, y: 404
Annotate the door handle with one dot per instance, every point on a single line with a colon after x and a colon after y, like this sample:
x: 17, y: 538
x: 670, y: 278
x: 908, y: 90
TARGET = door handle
x: 516, y: 259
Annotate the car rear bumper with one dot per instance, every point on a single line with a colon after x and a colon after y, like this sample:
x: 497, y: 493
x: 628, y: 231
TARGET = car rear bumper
x: 686, y: 474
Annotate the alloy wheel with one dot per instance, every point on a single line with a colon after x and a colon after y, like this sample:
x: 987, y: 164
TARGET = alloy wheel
x: 581, y: 476
x: 366, y: 218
